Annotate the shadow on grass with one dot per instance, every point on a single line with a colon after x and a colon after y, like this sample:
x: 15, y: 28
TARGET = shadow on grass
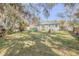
x: 30, y: 51
x: 19, y: 48
x: 70, y: 44
x: 34, y: 47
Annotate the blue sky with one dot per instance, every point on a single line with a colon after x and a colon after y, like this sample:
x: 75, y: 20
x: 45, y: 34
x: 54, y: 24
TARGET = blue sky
x: 53, y: 13
x: 58, y: 8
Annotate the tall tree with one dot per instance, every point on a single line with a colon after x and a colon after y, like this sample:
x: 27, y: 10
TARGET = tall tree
x: 13, y: 13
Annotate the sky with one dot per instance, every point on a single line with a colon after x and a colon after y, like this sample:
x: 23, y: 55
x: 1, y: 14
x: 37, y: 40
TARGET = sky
x: 53, y: 13
x: 58, y: 8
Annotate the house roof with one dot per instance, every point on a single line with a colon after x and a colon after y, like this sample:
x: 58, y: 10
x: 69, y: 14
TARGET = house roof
x: 49, y: 23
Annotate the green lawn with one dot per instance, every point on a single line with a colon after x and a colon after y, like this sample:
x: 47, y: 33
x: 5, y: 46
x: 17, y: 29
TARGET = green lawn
x: 40, y: 44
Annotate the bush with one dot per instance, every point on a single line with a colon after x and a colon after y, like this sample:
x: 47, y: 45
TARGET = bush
x: 33, y: 30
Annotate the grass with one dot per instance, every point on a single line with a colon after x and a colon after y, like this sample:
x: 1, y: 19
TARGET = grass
x: 40, y: 43
x: 2, y: 42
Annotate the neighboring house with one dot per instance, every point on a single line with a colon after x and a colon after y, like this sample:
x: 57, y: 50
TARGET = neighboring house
x: 46, y: 26
x: 68, y: 27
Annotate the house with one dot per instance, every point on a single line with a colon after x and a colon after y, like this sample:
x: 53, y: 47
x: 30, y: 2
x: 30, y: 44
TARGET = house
x: 46, y: 26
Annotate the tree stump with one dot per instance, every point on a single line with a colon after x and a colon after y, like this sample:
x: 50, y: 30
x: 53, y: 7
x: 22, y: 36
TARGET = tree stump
x: 2, y: 31
x: 76, y: 31
x: 49, y: 31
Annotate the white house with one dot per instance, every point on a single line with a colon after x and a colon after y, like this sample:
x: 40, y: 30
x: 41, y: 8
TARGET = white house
x: 46, y: 26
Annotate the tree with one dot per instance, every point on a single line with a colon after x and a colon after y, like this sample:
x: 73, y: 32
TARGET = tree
x: 62, y: 22
x: 72, y: 12
x: 38, y: 8
x: 13, y: 13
